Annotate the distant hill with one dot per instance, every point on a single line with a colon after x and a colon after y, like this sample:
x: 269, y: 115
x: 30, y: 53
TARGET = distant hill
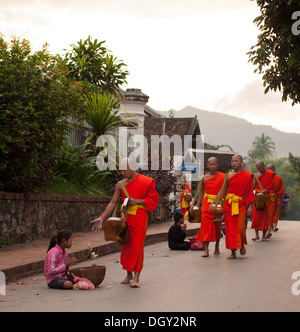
x: 219, y: 128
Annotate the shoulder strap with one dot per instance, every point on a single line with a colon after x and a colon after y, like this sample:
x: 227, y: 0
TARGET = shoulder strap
x: 127, y: 195
x: 223, y: 186
x: 256, y: 178
x: 124, y: 188
x: 198, y: 190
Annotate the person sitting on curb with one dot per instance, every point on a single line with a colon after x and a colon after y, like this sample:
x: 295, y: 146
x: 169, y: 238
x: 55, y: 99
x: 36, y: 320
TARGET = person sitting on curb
x: 177, y: 234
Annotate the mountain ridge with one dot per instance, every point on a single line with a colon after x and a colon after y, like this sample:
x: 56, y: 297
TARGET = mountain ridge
x: 224, y: 129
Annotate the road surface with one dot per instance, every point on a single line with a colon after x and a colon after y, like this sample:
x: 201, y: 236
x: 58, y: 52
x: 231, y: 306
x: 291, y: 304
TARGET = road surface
x: 174, y: 281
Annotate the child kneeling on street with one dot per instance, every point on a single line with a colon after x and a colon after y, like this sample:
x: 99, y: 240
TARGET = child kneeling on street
x: 57, y: 262
x: 177, y: 234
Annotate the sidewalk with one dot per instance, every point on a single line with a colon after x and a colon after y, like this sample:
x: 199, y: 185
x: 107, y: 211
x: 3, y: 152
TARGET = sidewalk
x: 26, y: 259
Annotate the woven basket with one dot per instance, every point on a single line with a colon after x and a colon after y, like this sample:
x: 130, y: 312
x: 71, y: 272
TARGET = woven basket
x: 94, y: 273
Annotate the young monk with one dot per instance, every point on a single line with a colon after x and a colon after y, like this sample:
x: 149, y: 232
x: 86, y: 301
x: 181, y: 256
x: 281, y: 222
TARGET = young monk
x: 278, y: 192
x: 238, y: 203
x: 211, y: 185
x: 186, y: 188
x: 143, y: 199
x: 260, y: 218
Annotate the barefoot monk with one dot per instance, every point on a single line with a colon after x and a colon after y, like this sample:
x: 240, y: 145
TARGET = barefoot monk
x: 264, y: 184
x: 143, y: 199
x: 238, y: 203
x: 211, y: 185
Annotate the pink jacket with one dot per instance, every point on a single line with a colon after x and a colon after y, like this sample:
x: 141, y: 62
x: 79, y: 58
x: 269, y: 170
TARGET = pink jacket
x: 55, y: 267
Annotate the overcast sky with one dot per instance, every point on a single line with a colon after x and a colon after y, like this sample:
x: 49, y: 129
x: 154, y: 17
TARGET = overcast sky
x: 179, y: 52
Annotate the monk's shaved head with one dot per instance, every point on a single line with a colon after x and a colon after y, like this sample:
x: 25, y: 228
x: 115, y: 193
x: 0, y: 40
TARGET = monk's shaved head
x: 238, y: 156
x: 213, y: 159
x: 260, y: 163
x: 271, y: 167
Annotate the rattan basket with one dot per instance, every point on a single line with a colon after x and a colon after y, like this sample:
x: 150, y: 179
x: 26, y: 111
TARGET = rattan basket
x: 94, y: 273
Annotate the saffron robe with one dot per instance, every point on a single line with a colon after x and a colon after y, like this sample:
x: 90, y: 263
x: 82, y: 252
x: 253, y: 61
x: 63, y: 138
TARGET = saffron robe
x: 210, y: 231
x: 132, y: 254
x: 279, y: 192
x: 184, y: 204
x: 260, y: 218
x: 240, y: 185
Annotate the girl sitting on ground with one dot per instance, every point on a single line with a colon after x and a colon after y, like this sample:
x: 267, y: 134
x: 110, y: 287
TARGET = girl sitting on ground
x: 57, y: 262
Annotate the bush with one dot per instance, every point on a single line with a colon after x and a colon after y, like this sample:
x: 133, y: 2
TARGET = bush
x: 36, y: 100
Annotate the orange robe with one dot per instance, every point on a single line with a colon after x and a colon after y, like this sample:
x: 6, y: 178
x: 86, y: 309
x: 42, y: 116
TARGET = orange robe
x: 240, y: 185
x: 184, y: 209
x: 132, y: 254
x: 210, y: 231
x: 260, y: 218
x: 279, y: 191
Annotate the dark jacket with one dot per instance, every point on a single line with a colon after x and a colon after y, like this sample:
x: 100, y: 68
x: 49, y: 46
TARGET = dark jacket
x: 176, y: 235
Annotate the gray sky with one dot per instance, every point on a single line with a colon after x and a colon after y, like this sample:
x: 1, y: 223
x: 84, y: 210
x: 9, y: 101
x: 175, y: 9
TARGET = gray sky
x: 179, y: 52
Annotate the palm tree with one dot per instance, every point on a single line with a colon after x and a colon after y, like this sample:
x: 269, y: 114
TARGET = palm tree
x: 103, y: 116
x: 263, y: 147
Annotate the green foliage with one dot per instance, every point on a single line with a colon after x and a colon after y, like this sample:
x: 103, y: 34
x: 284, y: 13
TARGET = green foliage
x: 37, y: 97
x: 2, y: 242
x: 277, y: 52
x: 295, y: 162
x: 75, y: 172
x: 90, y: 62
x: 262, y: 148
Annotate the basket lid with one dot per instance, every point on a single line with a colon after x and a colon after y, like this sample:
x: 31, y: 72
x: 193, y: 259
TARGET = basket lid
x: 115, y: 218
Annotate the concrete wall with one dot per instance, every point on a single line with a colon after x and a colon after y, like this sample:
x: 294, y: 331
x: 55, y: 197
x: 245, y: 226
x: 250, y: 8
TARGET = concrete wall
x: 28, y: 218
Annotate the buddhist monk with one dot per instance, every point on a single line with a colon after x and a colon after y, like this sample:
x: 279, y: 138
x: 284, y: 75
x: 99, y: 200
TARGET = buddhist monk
x: 239, y: 196
x: 211, y: 185
x: 185, y: 188
x: 260, y: 218
x: 279, y: 192
x: 143, y: 199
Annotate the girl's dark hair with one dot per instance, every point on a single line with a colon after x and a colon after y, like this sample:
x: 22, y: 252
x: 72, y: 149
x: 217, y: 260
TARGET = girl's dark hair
x: 57, y: 239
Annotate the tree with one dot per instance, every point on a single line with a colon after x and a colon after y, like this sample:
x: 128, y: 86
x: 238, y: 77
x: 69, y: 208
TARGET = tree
x: 91, y: 63
x: 102, y: 115
x: 262, y: 147
x: 295, y: 162
x: 277, y: 52
x: 37, y: 98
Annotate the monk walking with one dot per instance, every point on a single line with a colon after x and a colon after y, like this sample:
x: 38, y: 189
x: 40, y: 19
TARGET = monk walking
x: 260, y: 218
x: 143, y: 199
x: 211, y: 185
x: 278, y: 193
x: 238, y: 203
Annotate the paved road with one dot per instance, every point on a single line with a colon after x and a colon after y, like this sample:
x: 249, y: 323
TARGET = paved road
x: 183, y: 282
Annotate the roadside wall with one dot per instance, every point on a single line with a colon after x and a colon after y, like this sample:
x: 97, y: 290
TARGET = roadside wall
x: 36, y: 216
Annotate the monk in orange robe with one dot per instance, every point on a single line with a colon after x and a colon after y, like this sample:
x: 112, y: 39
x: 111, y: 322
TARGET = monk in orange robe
x: 238, y: 203
x: 143, y: 199
x: 185, y: 189
x: 260, y: 218
x: 279, y: 192
x: 211, y: 185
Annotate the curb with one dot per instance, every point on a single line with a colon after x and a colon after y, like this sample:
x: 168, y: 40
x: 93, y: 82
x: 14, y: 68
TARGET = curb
x: 26, y: 270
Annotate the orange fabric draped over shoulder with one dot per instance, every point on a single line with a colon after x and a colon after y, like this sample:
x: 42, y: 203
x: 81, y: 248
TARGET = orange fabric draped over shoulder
x: 210, y: 231
x: 240, y: 185
x: 132, y: 254
x: 279, y: 191
x: 260, y: 218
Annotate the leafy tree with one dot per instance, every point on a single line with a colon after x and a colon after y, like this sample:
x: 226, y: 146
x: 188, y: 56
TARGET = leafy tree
x: 102, y: 115
x: 36, y: 99
x: 277, y: 52
x: 295, y: 162
x: 262, y: 148
x: 90, y: 62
